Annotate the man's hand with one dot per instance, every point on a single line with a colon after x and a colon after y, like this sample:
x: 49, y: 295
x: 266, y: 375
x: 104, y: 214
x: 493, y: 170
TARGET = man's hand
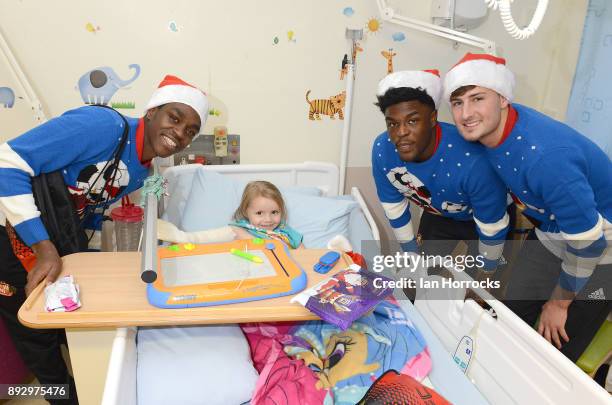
x: 554, y: 316
x: 48, y: 265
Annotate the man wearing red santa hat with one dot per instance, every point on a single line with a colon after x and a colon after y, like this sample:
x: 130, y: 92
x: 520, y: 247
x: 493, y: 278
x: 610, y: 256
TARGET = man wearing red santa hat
x: 427, y: 162
x: 564, y: 183
x: 88, y: 146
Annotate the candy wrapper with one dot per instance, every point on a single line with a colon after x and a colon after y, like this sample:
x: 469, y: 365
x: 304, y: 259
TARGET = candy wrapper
x: 345, y: 296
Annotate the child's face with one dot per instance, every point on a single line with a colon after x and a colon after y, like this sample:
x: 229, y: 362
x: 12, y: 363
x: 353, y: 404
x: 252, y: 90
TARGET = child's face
x: 264, y: 213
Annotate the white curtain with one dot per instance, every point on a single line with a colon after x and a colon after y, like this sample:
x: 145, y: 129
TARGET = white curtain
x: 590, y: 106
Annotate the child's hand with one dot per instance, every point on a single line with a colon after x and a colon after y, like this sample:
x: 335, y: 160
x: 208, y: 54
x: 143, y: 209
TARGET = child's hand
x: 168, y: 232
x: 241, y: 233
x: 217, y: 235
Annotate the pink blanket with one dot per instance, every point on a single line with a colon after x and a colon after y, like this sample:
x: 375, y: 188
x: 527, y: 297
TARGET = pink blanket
x: 317, y: 363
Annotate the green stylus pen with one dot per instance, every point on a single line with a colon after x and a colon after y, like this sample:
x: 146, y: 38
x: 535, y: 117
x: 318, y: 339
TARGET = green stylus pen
x: 245, y: 255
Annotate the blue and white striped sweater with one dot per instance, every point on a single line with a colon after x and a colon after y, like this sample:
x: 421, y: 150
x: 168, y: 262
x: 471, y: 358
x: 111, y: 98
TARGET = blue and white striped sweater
x: 564, y: 181
x: 79, y: 143
x: 456, y: 182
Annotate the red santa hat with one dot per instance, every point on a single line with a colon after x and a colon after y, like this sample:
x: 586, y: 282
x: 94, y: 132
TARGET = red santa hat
x: 480, y: 70
x: 427, y: 80
x: 174, y: 90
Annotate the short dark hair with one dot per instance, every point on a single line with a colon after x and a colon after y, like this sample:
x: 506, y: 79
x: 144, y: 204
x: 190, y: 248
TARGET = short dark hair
x: 461, y: 91
x: 400, y: 94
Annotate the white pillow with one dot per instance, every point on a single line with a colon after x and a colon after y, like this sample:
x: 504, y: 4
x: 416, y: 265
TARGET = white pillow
x: 214, y: 198
x: 194, y: 365
x: 179, y: 190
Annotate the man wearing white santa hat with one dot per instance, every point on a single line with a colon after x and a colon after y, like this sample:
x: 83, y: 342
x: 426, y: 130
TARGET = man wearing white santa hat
x: 426, y: 162
x: 100, y: 156
x: 563, y: 181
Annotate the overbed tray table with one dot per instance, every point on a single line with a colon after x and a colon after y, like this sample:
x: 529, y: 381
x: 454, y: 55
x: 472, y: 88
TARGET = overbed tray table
x: 113, y: 295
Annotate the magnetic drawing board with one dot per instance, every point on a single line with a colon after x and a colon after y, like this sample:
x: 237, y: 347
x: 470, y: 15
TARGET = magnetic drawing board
x: 201, y: 275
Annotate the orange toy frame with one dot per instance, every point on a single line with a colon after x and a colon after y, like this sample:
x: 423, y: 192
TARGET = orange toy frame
x: 281, y: 275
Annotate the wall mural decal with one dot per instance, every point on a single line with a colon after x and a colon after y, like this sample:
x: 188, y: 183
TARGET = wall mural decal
x: 389, y: 56
x: 329, y: 106
x: 173, y: 26
x: 275, y: 41
x: 348, y: 11
x: 398, y: 36
x: 356, y: 50
x: 343, y: 67
x: 373, y: 25
x: 291, y: 36
x: 100, y: 84
x: 92, y: 28
x: 7, y: 97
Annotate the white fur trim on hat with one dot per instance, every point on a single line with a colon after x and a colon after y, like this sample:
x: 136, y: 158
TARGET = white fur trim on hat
x: 425, y: 80
x: 480, y: 70
x: 181, y: 93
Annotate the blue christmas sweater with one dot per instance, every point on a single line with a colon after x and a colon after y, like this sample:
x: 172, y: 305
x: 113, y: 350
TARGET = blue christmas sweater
x: 456, y: 182
x: 79, y: 142
x: 564, y: 181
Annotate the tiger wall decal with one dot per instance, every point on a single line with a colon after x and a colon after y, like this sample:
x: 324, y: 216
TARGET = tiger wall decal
x: 330, y: 106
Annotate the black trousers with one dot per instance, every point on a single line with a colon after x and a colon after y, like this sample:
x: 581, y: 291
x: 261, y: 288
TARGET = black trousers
x: 534, y: 276
x: 39, y: 348
x: 439, y: 236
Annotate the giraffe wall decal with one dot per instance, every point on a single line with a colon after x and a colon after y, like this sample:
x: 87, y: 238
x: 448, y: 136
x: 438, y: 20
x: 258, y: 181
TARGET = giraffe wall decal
x: 356, y: 49
x: 344, y: 69
x: 389, y: 56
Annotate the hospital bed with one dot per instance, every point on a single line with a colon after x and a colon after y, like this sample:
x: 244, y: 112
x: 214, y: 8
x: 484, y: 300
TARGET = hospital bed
x: 511, y: 363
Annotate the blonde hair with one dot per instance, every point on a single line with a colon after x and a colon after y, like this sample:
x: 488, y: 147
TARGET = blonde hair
x: 260, y: 188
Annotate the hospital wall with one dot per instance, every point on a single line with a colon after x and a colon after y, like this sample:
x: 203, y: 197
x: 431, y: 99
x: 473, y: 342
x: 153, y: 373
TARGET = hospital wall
x: 257, y: 60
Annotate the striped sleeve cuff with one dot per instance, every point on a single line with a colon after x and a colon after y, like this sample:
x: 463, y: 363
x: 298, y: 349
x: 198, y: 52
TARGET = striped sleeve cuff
x: 491, y: 251
x: 489, y: 266
x: 493, y: 231
x: 32, y: 231
x: 410, y: 246
x: 405, y: 233
x: 395, y: 210
x: 572, y: 283
x: 400, y: 221
x: 579, y: 261
x: 587, y: 249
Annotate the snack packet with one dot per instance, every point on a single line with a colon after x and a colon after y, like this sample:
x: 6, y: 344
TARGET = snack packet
x: 345, y: 296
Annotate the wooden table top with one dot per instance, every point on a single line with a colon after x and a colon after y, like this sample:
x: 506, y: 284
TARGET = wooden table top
x: 113, y: 295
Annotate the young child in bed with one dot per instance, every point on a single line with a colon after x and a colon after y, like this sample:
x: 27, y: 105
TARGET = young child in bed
x: 261, y: 214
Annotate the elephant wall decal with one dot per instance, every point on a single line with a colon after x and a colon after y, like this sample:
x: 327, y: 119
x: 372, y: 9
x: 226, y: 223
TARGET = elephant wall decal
x: 99, y: 85
x: 7, y: 97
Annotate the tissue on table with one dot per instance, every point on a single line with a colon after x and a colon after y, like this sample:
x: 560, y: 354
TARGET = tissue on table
x: 62, y: 296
